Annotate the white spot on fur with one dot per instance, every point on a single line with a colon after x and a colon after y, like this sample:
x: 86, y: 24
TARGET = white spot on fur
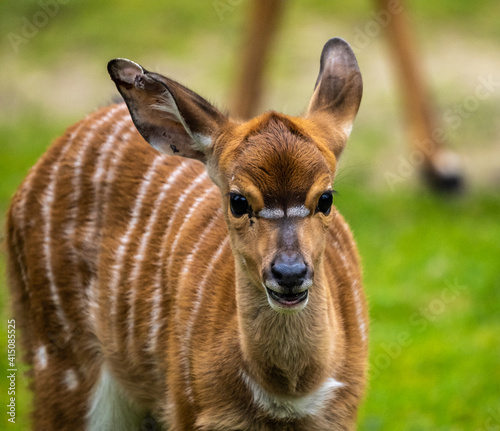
x: 71, y: 380
x: 41, y: 358
x: 347, y: 129
x: 109, y: 409
x: 291, y: 407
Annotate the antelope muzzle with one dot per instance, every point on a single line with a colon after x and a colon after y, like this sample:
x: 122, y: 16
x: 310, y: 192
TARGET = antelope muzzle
x: 287, y: 281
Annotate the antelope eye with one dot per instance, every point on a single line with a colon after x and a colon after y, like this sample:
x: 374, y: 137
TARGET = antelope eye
x: 325, y: 203
x: 239, y: 204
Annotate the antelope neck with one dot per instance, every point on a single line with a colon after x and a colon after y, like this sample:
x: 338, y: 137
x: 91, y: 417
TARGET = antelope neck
x: 288, y: 355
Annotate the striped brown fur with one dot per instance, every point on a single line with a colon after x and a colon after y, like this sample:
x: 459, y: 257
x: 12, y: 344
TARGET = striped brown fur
x: 134, y: 279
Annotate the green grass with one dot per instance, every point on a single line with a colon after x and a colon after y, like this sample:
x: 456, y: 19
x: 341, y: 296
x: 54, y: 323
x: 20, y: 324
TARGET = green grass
x: 431, y: 268
x: 431, y: 275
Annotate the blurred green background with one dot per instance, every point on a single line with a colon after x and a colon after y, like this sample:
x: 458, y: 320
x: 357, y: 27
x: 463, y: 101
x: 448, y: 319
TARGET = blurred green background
x: 431, y: 263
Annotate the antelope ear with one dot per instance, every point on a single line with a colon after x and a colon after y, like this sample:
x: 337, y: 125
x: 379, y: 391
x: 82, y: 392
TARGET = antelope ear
x: 172, y: 118
x: 337, y: 93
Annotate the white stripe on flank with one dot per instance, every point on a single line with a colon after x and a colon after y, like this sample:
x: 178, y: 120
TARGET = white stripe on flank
x: 154, y: 328
x: 108, y: 181
x: 71, y: 227
x: 124, y: 241
x: 190, y: 258
x: 291, y: 408
x: 19, y: 213
x: 139, y: 257
x: 118, y: 129
x: 87, y: 140
x: 125, y: 123
x: 185, y: 222
x: 47, y: 200
x: 23, y: 195
x: 359, y: 312
x: 178, y: 205
x: 20, y: 263
x: 24, y: 191
x: 156, y: 309
x: 354, y: 285
x: 93, y: 302
x: 355, y: 290
x: 20, y: 220
x: 185, y: 342
x: 26, y: 186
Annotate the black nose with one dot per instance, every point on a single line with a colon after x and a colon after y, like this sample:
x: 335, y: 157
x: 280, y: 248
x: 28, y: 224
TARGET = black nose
x: 289, y: 269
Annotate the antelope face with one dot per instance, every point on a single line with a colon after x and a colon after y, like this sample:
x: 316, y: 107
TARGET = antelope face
x: 278, y: 200
x: 275, y: 172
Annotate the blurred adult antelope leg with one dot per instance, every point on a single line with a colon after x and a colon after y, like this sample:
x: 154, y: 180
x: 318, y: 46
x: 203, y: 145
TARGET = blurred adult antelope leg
x: 441, y: 166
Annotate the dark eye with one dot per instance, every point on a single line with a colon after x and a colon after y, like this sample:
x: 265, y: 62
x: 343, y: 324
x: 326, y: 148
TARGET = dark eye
x: 239, y: 204
x: 325, y: 203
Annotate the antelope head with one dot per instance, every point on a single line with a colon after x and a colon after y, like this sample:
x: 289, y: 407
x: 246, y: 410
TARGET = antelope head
x: 275, y: 172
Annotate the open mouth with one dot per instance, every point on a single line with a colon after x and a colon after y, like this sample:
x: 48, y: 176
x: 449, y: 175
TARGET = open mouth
x: 288, y: 299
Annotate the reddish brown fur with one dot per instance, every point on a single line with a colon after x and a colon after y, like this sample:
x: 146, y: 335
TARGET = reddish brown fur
x: 215, y: 322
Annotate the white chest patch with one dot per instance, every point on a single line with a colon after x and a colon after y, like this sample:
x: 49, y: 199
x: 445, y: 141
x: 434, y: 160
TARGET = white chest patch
x: 292, y: 408
x: 110, y: 409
